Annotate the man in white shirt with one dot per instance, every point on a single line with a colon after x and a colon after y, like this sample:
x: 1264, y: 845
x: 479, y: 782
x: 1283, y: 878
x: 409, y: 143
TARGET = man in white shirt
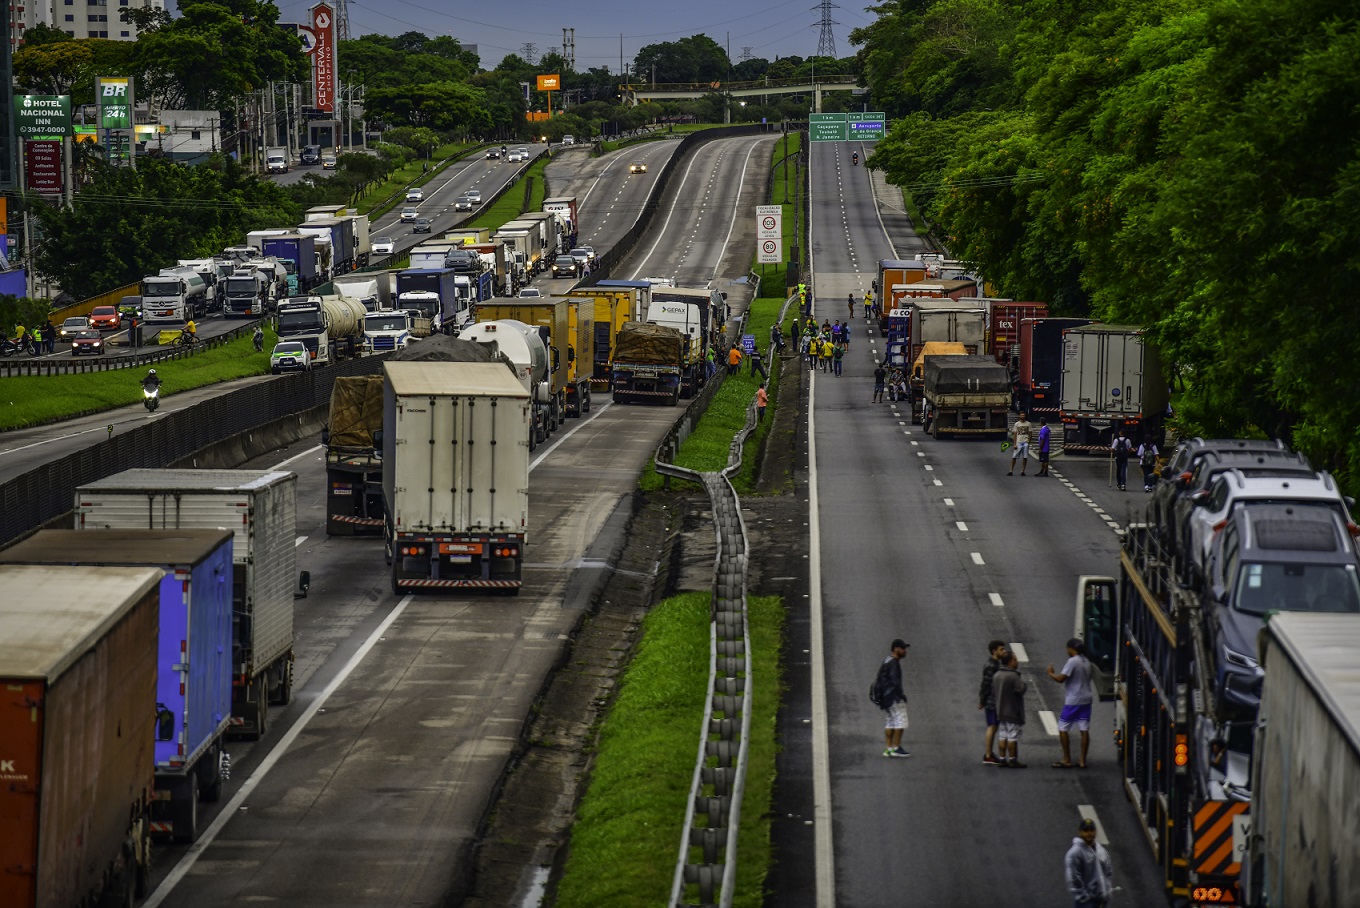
x: 1079, y: 694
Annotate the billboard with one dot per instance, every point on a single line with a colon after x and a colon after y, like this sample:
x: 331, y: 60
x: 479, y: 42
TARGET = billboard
x: 551, y: 82
x: 42, y: 116
x: 43, y: 165
x: 114, y: 95
x: 323, y: 57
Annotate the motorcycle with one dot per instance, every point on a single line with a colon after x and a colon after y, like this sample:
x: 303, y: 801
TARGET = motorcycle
x: 854, y: 159
x: 151, y: 398
x: 11, y: 347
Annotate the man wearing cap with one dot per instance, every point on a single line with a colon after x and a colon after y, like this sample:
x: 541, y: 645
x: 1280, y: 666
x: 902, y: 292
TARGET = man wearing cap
x: 894, y: 702
x: 1088, y: 869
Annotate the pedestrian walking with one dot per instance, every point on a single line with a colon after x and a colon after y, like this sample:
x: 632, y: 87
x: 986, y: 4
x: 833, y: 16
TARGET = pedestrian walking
x: 809, y: 357
x: 734, y: 360
x: 880, y: 376
x: 757, y: 365
x: 1020, y: 444
x: 1009, y: 690
x: 777, y: 338
x: 837, y: 354
x: 996, y: 649
x: 1120, y: 449
x: 825, y: 353
x: 892, y: 699
x: 1078, y: 694
x: 836, y: 332
x: 1088, y: 869
x: 711, y: 362
x: 1045, y: 441
x: 850, y: 302
x: 1147, y: 459
x: 762, y: 401
x: 845, y: 336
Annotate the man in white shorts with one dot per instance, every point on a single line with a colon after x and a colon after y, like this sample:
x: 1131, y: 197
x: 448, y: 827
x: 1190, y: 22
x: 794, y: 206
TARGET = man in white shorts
x: 1010, y: 711
x: 894, y: 701
x: 1079, y: 693
x: 1020, y: 438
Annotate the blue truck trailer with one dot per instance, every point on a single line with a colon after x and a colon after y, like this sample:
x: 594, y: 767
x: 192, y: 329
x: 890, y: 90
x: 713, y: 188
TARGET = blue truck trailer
x: 297, y: 252
x: 433, y: 292
x: 193, y: 686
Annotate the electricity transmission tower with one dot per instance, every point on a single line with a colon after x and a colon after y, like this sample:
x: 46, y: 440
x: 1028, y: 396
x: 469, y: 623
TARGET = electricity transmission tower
x: 342, y: 20
x: 745, y: 54
x: 826, y: 42
x: 529, y: 49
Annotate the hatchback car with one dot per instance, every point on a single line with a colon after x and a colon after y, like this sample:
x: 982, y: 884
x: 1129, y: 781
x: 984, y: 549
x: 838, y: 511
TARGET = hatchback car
x: 637, y: 167
x: 290, y: 356
x: 422, y: 225
x: 106, y: 318
x: 1273, y: 558
x: 73, y: 326
x: 566, y: 266
x: 475, y: 195
x: 415, y: 194
x: 87, y: 341
x: 383, y: 245
x: 328, y: 162
x: 462, y: 203
x: 409, y: 214
x: 530, y: 293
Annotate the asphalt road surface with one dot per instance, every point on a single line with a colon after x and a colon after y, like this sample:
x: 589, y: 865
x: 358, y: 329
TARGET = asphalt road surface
x: 931, y: 541
x: 369, y: 788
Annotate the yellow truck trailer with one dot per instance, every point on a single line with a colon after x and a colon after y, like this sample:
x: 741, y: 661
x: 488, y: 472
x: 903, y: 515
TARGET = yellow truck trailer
x: 552, y: 316
x: 614, y: 307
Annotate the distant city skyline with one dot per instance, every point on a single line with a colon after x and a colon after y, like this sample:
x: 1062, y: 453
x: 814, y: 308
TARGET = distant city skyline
x: 770, y: 29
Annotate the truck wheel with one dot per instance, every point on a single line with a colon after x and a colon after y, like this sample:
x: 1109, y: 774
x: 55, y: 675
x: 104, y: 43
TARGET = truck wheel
x: 211, y: 792
x: 186, y: 819
x: 283, y: 691
x: 586, y: 398
x: 396, y: 575
x: 533, y: 439
x: 675, y: 398
x: 261, y: 707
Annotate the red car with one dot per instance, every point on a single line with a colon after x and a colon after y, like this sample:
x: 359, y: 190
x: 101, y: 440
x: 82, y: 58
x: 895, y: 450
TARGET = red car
x: 87, y: 341
x: 106, y: 318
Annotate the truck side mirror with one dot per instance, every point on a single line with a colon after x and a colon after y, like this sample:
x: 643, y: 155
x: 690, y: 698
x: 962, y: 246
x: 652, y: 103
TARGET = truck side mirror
x: 304, y: 584
x: 378, y: 439
x: 165, y: 723
x: 326, y: 435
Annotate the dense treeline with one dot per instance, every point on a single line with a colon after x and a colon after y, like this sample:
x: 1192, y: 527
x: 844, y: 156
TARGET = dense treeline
x: 1190, y: 167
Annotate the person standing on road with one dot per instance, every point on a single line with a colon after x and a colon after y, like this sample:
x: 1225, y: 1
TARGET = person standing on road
x: 1020, y: 440
x: 1010, y: 710
x: 996, y: 651
x: 756, y: 364
x: 1045, y: 441
x: 1087, y: 867
x: 837, y: 354
x: 880, y: 376
x: 1078, y: 694
x: 845, y: 336
x: 777, y: 338
x: 1147, y: 459
x: 734, y: 360
x: 762, y: 401
x: 893, y: 700
x: 796, y: 333
x: 49, y: 335
x: 1120, y: 449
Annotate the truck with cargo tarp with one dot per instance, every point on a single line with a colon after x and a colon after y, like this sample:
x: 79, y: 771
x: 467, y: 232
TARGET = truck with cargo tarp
x: 648, y: 363
x: 77, y: 729
x: 260, y: 507
x: 456, y: 476
x: 1111, y: 379
x: 966, y: 395
x: 193, y: 687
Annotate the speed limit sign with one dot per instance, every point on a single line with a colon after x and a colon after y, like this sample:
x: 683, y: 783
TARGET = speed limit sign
x: 769, y: 222
x: 771, y: 251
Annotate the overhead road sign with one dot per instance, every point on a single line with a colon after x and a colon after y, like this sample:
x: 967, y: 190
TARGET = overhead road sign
x: 832, y: 127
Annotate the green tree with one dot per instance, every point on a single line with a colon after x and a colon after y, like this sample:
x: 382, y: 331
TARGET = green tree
x: 697, y: 58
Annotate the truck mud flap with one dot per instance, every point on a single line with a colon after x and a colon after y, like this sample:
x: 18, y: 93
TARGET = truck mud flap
x: 426, y: 584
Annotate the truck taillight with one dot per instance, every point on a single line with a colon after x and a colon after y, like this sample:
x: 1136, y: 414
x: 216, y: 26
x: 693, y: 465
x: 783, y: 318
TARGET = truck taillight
x: 505, y: 552
x: 1182, y: 753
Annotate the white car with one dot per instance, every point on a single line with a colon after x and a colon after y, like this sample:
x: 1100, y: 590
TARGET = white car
x: 415, y: 194
x: 518, y: 155
x: 409, y: 215
x: 530, y: 292
x: 1232, y: 490
x: 383, y: 245
x: 569, y: 140
x: 474, y: 195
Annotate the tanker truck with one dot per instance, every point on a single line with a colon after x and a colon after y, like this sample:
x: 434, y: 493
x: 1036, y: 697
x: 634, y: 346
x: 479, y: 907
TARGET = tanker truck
x: 322, y: 324
x: 524, y: 346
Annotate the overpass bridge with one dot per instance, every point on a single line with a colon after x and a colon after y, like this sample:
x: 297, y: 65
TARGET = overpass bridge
x: 636, y: 94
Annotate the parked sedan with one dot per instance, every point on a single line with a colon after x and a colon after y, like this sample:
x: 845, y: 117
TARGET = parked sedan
x: 384, y: 245
x: 87, y: 341
x: 106, y: 318
x: 290, y: 356
x: 73, y: 326
x: 409, y: 214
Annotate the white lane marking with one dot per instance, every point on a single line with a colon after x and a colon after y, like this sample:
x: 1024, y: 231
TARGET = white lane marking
x: 574, y: 429
x: 914, y: 442
x: 977, y: 557
x: 821, y: 745
x: 921, y: 454
x: 736, y: 206
x: 186, y: 863
x: 963, y: 527
x: 932, y: 469
x: 1019, y: 650
x: 949, y: 502
x: 1050, y: 722
x: 937, y: 482
x: 283, y: 463
x: 996, y: 599
x: 299, y: 541
x: 48, y: 441
x: 1088, y: 812
x: 661, y: 234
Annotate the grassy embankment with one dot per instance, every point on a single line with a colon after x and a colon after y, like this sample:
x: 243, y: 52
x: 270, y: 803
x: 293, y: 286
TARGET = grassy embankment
x: 627, y: 835
x: 33, y: 400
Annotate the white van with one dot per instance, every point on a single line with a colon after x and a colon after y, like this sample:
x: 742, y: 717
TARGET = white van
x: 276, y: 160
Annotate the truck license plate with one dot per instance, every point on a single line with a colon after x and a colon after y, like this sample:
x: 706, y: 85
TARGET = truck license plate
x: 459, y: 559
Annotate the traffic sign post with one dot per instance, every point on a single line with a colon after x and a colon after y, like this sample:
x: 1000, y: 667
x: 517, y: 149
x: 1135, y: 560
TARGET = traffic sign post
x: 823, y: 127
x: 868, y: 127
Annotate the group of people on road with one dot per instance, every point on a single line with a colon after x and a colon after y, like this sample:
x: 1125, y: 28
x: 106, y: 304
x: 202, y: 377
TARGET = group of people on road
x: 824, y: 346
x: 1020, y: 443
x: 1087, y: 868
x: 38, y: 340
x: 1122, y: 450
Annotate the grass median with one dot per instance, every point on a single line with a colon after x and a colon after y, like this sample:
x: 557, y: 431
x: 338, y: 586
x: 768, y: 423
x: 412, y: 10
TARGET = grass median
x: 627, y: 835
x: 31, y: 400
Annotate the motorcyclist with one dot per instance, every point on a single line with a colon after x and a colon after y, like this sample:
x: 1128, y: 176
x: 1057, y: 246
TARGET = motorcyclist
x: 854, y: 158
x: 259, y: 339
x: 152, y: 381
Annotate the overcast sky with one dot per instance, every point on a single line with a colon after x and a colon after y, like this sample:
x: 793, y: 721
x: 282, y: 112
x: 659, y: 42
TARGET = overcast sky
x: 770, y: 28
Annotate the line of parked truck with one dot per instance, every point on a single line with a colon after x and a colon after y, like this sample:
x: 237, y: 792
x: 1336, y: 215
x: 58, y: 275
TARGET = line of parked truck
x: 164, y: 627
x: 1228, y: 643
x: 1095, y: 379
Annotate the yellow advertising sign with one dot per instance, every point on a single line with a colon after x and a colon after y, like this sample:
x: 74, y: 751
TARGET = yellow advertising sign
x: 550, y: 82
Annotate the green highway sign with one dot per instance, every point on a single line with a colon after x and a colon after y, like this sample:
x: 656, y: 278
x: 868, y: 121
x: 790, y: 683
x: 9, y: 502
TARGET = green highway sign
x: 868, y: 127
x: 42, y: 115
x: 828, y: 127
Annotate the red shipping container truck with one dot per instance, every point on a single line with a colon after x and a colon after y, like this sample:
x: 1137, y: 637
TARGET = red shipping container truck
x: 1003, y: 340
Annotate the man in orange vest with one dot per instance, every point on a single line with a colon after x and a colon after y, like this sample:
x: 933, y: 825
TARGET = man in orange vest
x: 734, y: 360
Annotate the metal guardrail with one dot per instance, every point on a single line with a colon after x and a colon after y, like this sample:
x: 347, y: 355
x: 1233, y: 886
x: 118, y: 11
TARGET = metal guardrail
x: 716, y: 790
x: 73, y: 366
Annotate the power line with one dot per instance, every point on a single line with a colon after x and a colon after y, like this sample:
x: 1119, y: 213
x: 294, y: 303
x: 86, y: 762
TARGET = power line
x: 826, y: 41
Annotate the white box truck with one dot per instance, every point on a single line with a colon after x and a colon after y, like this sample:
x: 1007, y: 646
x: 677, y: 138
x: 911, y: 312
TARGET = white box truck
x: 455, y: 476
x: 261, y: 510
x: 1111, y: 379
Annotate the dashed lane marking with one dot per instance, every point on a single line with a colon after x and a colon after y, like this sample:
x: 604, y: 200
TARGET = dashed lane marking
x: 977, y: 557
x: 1020, y: 652
x: 1050, y: 721
x: 996, y: 599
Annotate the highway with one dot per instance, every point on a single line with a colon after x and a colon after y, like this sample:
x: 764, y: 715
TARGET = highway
x: 931, y: 541
x: 370, y: 787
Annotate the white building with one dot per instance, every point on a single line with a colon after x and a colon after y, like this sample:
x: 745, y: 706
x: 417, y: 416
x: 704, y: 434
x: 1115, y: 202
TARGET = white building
x: 78, y: 18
